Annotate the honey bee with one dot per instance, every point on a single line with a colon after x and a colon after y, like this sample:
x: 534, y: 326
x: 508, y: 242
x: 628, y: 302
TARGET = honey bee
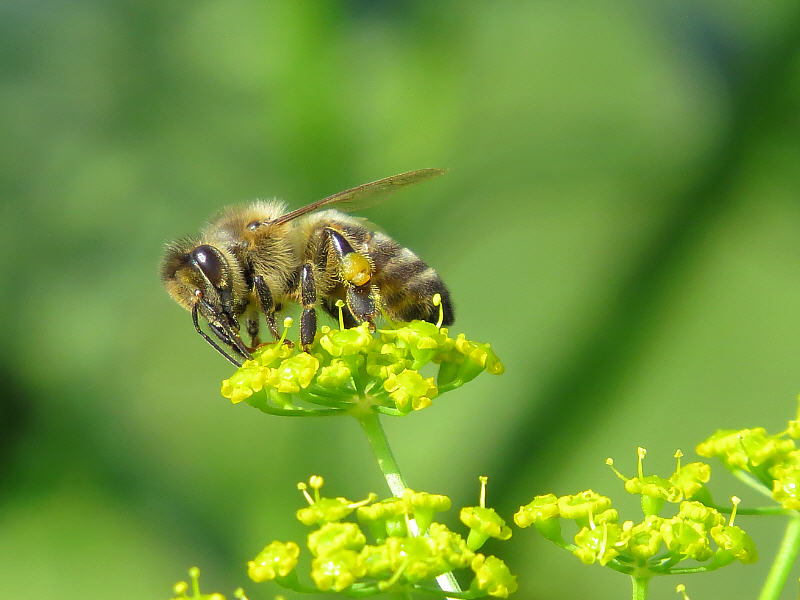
x: 253, y: 259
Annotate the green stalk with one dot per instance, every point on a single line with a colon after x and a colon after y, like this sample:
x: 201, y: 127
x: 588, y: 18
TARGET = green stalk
x: 639, y: 585
x: 376, y: 437
x: 751, y: 482
x: 370, y: 423
x: 787, y: 553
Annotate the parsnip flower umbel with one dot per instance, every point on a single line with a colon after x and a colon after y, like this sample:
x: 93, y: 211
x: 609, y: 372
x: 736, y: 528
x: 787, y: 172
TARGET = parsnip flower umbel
x: 344, y: 559
x: 349, y: 370
x: 395, y: 370
x: 656, y: 545
x: 771, y: 462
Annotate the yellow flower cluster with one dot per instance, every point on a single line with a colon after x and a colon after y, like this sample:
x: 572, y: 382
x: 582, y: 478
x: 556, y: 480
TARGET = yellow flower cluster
x: 657, y: 544
x: 398, y: 560
x: 601, y: 538
x: 773, y: 460
x: 353, y: 367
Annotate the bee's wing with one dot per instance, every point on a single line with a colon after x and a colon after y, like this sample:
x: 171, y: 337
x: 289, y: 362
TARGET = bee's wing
x: 363, y: 195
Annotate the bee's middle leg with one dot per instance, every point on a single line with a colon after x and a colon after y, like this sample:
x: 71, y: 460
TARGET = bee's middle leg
x: 252, y: 331
x: 308, y: 297
x: 267, y: 306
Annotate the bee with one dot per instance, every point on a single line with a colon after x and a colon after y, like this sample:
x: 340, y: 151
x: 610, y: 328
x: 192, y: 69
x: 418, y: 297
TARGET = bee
x: 251, y: 260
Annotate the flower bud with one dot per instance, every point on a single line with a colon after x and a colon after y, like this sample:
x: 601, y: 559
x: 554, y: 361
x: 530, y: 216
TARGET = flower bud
x: 483, y: 524
x: 387, y: 517
x: 686, y: 538
x: 645, y: 537
x: 733, y: 540
x: 423, y: 506
x: 278, y: 559
x: 601, y: 544
x: 337, y: 570
x: 410, y: 391
x: 582, y: 506
x: 689, y: 479
x: 344, y: 342
x: 493, y: 576
x: 332, y: 537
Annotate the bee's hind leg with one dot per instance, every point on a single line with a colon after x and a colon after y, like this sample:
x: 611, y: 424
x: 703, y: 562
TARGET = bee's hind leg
x: 361, y: 302
x: 356, y: 273
x: 308, y: 297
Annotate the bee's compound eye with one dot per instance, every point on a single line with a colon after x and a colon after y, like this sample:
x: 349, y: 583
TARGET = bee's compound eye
x: 253, y: 225
x: 209, y: 261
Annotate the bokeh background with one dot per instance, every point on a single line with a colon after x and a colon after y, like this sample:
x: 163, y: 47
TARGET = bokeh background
x: 620, y: 220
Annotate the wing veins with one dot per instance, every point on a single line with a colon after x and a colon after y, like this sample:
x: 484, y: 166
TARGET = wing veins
x: 364, y: 195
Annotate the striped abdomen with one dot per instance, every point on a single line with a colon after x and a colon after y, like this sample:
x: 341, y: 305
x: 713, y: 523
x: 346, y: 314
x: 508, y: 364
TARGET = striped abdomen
x: 406, y: 283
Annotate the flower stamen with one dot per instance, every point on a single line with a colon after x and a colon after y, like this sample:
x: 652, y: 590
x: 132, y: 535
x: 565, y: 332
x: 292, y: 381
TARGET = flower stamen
x: 340, y: 305
x: 287, y: 322
x: 735, y: 500
x: 603, y: 542
x: 437, y: 301
x: 641, y: 453
x: 194, y: 573
x: 303, y: 487
x: 385, y: 585
x: 610, y: 463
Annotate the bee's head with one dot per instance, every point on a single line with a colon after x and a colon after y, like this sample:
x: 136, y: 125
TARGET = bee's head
x: 191, y: 271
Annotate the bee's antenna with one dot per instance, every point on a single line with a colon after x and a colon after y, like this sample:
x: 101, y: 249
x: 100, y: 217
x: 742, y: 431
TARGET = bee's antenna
x: 208, y: 338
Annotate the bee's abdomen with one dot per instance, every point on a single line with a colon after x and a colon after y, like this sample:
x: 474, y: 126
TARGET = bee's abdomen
x: 406, y: 283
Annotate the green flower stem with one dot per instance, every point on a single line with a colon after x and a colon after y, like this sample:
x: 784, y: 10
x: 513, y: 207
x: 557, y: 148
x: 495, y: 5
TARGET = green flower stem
x: 291, y: 582
x: 450, y: 386
x: 752, y: 482
x: 298, y: 412
x: 468, y: 595
x: 326, y: 401
x: 370, y: 423
x: 693, y: 570
x: 756, y: 510
x: 666, y: 564
x: 787, y: 553
x: 318, y: 391
x: 639, y: 586
x: 619, y: 567
x: 614, y: 564
x: 392, y: 412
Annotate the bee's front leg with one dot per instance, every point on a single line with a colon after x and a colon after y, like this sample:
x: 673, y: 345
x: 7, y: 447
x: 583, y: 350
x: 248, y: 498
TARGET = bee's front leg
x: 267, y: 305
x: 356, y: 273
x: 223, y: 335
x: 308, y: 297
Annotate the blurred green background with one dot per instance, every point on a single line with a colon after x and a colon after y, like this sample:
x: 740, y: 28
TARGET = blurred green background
x: 620, y: 220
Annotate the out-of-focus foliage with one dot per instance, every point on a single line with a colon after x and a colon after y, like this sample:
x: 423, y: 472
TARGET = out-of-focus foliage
x: 620, y: 220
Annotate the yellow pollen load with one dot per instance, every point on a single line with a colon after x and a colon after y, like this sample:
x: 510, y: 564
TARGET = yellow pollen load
x: 355, y: 268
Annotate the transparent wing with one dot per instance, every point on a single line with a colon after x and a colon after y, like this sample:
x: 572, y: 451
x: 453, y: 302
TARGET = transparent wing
x: 364, y: 195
